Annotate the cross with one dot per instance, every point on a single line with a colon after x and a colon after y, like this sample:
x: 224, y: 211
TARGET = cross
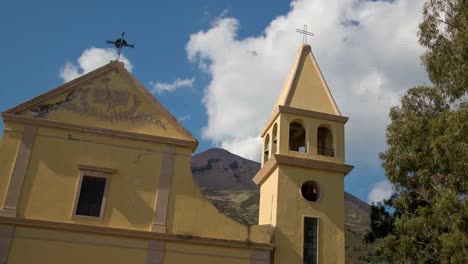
x: 305, y: 33
x: 119, y: 44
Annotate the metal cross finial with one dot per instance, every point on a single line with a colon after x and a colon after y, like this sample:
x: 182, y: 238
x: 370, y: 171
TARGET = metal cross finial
x: 119, y: 44
x: 305, y: 33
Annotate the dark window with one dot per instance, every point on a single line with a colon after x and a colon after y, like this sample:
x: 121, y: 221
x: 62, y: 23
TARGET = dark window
x: 325, y: 142
x: 275, y: 139
x: 310, y: 241
x: 310, y: 190
x: 266, y: 153
x: 297, y: 137
x: 91, y: 195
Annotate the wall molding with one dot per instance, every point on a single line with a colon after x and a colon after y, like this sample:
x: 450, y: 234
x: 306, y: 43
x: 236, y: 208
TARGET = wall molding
x: 276, y: 159
x: 155, y: 252
x: 101, y: 131
x: 163, y: 190
x: 6, y: 235
x: 20, y: 169
x: 133, y: 233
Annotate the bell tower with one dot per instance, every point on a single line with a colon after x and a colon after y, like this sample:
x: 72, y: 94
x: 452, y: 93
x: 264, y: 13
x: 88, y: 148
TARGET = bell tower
x: 303, y: 167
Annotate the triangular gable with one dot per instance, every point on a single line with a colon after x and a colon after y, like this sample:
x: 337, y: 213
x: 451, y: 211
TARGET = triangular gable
x: 107, y: 98
x: 306, y: 88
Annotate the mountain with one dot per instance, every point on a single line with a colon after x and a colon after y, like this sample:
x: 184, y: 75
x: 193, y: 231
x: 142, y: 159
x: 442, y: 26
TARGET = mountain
x: 219, y: 169
x: 226, y: 180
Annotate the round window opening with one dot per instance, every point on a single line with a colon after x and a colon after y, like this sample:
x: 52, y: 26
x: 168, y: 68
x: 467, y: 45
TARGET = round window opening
x: 311, y: 191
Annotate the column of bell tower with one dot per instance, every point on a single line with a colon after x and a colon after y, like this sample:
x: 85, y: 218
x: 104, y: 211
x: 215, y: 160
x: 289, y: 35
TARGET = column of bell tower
x: 302, y: 176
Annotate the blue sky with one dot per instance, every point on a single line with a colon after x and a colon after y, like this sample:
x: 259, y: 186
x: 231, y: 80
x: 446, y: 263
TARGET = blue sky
x: 229, y: 59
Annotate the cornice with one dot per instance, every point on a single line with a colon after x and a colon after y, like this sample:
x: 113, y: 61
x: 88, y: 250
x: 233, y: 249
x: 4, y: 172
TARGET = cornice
x: 133, y: 233
x: 101, y: 131
x: 278, y: 159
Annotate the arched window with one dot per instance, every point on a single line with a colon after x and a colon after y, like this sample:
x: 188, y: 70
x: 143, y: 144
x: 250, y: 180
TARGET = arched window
x: 274, y: 139
x: 297, y: 137
x: 325, y: 142
x: 266, y: 148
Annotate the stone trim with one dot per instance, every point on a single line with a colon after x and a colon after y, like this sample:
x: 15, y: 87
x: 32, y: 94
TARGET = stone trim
x: 155, y: 253
x: 95, y: 168
x: 6, y: 235
x: 133, y: 233
x: 314, y: 114
x: 19, y: 172
x: 265, y: 170
x: 192, y: 144
x: 260, y: 257
x: 313, y: 164
x: 270, y: 122
x: 163, y: 191
x: 276, y: 159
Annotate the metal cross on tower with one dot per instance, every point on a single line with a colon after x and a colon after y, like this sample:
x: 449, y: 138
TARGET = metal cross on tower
x: 119, y: 44
x: 305, y: 33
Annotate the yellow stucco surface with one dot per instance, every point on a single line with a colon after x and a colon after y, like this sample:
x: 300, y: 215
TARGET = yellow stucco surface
x: 9, y: 143
x: 293, y: 208
x: 268, y: 200
x: 108, y: 101
x: 54, y: 166
x: 190, y: 213
x: 310, y: 92
x: 35, y: 245
x: 43, y: 246
x: 191, y: 253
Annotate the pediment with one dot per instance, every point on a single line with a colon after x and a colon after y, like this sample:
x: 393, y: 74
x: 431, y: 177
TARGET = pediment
x: 107, y: 98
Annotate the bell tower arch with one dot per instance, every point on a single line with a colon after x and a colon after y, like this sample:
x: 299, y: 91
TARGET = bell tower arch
x: 302, y: 180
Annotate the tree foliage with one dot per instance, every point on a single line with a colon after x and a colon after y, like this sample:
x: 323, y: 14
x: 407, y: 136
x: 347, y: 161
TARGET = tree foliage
x: 427, y: 155
x: 444, y: 32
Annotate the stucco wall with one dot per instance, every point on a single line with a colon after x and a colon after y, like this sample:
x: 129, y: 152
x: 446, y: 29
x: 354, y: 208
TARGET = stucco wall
x: 292, y: 208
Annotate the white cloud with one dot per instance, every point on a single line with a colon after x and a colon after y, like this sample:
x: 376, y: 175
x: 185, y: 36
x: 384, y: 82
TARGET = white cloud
x: 185, y: 117
x: 160, y: 87
x: 367, y: 50
x: 247, y: 147
x: 89, y: 60
x: 380, y: 191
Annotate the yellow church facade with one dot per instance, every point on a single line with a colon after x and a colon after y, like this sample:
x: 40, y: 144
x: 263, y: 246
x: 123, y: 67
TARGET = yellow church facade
x: 98, y: 171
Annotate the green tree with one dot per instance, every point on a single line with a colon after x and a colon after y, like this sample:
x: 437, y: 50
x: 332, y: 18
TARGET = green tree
x: 444, y: 32
x: 427, y: 155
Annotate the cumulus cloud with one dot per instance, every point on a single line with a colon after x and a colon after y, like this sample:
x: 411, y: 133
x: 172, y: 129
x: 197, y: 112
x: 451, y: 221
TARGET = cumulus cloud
x: 89, y: 60
x: 380, y: 191
x: 367, y: 50
x: 160, y: 87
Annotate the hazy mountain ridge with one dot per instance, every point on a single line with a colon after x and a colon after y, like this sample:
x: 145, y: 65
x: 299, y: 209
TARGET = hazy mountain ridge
x: 226, y: 180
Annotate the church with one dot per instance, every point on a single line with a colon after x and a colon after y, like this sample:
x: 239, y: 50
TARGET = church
x: 98, y: 171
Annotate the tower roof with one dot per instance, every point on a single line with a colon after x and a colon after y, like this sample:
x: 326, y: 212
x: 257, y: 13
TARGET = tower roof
x: 305, y: 88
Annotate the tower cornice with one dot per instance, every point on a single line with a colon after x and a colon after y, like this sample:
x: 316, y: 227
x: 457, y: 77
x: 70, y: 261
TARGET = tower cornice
x: 278, y: 159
